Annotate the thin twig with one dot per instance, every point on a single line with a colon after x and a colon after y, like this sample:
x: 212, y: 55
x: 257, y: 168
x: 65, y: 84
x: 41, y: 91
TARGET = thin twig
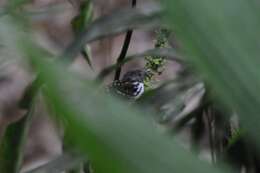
x: 124, y: 48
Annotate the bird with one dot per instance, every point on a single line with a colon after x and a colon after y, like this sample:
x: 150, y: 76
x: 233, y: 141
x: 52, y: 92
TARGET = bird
x: 131, y: 86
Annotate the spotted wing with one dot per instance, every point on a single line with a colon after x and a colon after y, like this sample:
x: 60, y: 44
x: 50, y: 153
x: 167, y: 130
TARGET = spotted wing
x: 128, y: 89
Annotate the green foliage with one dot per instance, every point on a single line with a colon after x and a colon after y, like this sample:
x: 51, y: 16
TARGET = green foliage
x: 155, y: 64
x: 237, y: 135
x: 84, y: 18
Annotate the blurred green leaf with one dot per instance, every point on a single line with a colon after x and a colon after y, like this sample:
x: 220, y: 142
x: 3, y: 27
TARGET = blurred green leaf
x: 11, y: 6
x: 221, y: 39
x: 16, y: 3
x: 81, y: 22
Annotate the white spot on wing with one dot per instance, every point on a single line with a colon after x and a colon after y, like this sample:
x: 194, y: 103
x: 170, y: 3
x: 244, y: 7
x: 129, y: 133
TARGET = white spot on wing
x: 140, y: 90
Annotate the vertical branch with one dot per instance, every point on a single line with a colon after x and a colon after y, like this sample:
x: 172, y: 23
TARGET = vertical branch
x: 124, y: 48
